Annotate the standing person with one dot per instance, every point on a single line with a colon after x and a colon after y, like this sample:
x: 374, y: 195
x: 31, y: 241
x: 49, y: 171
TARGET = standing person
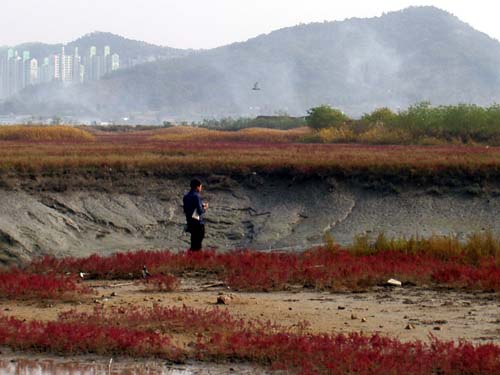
x: 194, y: 208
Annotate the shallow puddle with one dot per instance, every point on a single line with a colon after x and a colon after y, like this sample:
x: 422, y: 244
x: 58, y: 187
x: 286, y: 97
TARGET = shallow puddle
x: 13, y: 365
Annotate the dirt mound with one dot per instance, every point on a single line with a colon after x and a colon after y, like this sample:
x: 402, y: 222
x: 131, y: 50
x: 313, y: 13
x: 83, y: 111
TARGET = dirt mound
x: 43, y: 216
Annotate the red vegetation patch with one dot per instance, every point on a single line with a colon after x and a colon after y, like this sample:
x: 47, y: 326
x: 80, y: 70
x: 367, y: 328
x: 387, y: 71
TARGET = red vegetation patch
x: 185, y: 319
x: 219, y: 336
x: 139, y: 152
x: 19, y: 285
x: 321, y: 268
x: 78, y: 338
x: 353, y: 354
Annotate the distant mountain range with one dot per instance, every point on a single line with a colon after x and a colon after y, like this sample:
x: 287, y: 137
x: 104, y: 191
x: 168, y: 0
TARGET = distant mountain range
x: 398, y: 59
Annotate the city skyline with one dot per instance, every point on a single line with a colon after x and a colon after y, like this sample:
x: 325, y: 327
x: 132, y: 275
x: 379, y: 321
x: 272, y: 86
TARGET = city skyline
x: 18, y: 69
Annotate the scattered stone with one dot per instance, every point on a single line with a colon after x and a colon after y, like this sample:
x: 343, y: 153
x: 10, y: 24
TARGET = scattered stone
x: 394, y: 282
x: 224, y: 299
x: 440, y: 322
x: 113, y: 294
x: 363, y: 320
x: 410, y: 326
x: 353, y: 317
x: 341, y: 307
x: 437, y: 328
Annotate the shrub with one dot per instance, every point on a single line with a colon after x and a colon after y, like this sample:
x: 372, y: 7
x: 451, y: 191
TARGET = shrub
x: 325, y: 117
x: 380, y: 116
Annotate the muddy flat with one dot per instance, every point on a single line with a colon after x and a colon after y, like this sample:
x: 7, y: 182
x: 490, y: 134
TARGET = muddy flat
x: 406, y: 313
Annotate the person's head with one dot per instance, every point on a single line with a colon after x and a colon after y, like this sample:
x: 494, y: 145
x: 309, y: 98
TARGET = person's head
x: 196, y: 184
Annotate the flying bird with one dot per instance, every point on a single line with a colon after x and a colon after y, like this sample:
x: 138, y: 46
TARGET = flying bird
x: 256, y: 86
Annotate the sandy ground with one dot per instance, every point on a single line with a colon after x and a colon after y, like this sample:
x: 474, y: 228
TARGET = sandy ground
x: 409, y: 313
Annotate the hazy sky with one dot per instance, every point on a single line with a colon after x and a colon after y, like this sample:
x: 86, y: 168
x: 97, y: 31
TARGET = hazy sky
x: 202, y: 23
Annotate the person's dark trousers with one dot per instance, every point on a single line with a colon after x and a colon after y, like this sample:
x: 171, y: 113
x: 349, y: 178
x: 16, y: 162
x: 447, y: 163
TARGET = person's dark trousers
x: 197, y: 231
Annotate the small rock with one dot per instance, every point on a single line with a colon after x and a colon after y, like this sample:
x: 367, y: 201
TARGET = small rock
x: 441, y: 322
x: 224, y: 299
x: 363, y: 320
x: 353, y: 317
x: 437, y: 328
x: 290, y: 308
x: 394, y: 282
x: 341, y: 307
x: 6, y: 309
x: 410, y: 326
x: 113, y: 294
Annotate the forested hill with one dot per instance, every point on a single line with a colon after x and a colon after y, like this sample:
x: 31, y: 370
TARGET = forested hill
x: 128, y: 49
x: 400, y: 58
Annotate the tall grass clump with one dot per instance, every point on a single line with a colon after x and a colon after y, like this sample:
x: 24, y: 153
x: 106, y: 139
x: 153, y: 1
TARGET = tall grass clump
x: 477, y: 247
x: 260, y: 135
x: 44, y: 133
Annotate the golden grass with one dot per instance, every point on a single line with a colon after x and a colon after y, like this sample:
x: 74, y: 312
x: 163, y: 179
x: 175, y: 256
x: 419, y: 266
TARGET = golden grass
x: 44, y: 133
x: 478, y: 246
x: 188, y: 133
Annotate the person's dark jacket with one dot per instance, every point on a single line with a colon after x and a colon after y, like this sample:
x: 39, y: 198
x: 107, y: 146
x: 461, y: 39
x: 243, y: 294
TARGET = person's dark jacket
x: 192, y: 201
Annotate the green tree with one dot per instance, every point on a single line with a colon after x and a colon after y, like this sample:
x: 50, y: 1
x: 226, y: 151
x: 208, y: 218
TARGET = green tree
x: 325, y: 116
x: 381, y: 115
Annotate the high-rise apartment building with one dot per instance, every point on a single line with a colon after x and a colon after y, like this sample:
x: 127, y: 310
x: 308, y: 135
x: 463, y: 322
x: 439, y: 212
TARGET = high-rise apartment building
x: 33, y: 72
x: 3, y: 76
x: 17, y: 71
x: 45, y: 71
x: 115, y: 62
